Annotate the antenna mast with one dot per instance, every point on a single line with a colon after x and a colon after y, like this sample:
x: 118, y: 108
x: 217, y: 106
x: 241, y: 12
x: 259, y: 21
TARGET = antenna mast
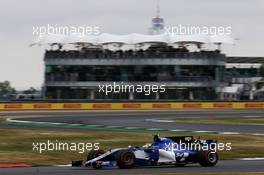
x: 158, y: 9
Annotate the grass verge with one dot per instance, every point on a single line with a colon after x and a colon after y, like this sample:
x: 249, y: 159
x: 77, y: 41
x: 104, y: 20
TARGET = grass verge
x: 16, y: 144
x: 2, y: 119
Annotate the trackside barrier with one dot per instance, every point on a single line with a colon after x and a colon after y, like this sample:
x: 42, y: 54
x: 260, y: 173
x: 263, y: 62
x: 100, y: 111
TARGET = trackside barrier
x: 130, y: 106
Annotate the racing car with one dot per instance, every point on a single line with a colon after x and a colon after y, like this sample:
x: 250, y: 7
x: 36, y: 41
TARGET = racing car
x: 162, y: 151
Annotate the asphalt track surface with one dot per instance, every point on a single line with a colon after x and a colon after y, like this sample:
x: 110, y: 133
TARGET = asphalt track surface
x: 144, y: 119
x: 221, y: 167
x: 141, y: 119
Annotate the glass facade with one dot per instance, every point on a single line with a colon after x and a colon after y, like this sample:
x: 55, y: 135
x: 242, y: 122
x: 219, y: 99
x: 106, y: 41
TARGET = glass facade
x: 169, y: 73
x: 75, y: 74
x: 92, y: 93
x: 134, y: 73
x: 242, y: 72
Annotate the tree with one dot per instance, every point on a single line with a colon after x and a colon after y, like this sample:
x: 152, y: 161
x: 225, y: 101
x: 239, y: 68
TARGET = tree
x: 6, y: 89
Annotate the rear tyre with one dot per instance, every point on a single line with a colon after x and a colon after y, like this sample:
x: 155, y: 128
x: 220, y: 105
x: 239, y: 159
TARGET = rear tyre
x: 93, y: 154
x: 207, y: 158
x: 125, y: 159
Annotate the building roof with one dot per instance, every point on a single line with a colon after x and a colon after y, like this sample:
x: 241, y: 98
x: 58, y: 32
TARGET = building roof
x: 243, y: 65
x: 134, y: 38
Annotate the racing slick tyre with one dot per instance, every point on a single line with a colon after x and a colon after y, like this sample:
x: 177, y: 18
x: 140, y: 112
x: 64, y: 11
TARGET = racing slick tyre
x: 93, y: 154
x: 207, y: 158
x: 125, y: 159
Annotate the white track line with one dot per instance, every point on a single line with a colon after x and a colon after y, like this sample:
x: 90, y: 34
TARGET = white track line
x: 159, y: 120
x: 229, y: 133
x: 256, y: 158
x: 68, y: 165
x: 258, y: 134
x: 132, y: 127
x: 179, y: 130
x: 205, y: 131
x: 154, y: 129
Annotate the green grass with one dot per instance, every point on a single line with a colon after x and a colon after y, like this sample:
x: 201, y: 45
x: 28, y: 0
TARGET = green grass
x: 224, y: 120
x: 16, y: 144
x: 2, y: 119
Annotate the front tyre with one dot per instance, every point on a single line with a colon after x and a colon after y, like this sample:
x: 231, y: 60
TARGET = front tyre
x: 93, y: 154
x: 207, y: 158
x: 125, y: 159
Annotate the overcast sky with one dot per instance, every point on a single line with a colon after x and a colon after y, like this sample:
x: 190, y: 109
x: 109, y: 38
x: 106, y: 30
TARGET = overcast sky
x: 23, y: 65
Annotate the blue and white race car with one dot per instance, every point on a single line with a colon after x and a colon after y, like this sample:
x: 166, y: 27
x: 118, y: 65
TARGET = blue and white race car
x: 177, y: 151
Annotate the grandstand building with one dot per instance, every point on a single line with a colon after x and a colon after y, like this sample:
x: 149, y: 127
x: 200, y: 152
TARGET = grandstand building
x: 183, y: 64
x: 245, y: 79
x: 150, y: 60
